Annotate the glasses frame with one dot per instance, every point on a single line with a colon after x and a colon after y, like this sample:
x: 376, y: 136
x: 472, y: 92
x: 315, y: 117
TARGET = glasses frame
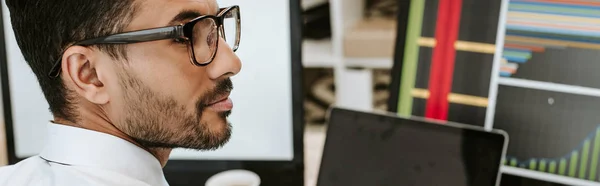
x: 184, y: 32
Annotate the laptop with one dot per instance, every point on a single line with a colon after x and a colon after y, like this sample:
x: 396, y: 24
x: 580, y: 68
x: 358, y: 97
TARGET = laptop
x: 372, y: 149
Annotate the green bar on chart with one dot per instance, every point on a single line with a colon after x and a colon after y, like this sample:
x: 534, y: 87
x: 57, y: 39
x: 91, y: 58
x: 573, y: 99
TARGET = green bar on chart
x: 532, y: 164
x: 562, y: 167
x: 595, y: 155
x: 573, y: 163
x: 542, y: 166
x: 584, y: 159
x: 552, y: 168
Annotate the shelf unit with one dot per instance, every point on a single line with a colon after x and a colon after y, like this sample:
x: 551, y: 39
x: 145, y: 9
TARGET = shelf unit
x: 318, y: 54
x: 353, y: 75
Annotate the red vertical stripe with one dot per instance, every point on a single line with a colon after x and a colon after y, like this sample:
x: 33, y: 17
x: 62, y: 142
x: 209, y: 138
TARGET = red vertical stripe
x: 433, y: 108
x: 450, y: 55
x: 442, y: 66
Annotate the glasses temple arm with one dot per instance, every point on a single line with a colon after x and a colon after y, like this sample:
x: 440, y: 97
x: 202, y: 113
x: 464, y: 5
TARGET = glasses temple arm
x: 171, y: 32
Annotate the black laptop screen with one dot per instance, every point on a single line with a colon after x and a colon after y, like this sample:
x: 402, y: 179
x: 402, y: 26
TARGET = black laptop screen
x: 378, y: 150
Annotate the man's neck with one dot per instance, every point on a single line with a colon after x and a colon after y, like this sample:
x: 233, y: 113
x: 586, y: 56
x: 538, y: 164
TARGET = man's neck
x: 101, y: 125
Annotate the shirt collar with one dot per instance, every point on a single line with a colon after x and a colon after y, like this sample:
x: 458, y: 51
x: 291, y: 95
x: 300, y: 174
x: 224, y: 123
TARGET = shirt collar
x: 81, y: 147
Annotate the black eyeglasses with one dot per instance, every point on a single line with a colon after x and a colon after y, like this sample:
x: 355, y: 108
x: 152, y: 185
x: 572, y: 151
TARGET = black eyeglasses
x: 201, y: 34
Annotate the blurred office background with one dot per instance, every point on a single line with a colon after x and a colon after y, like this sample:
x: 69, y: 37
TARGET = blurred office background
x: 528, y: 67
x: 358, y: 34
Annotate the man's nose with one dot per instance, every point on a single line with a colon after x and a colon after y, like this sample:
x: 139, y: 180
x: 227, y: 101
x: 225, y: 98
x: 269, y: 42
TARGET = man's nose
x: 225, y: 64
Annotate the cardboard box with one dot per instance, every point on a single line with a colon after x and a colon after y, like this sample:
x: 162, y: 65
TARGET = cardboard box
x: 371, y: 38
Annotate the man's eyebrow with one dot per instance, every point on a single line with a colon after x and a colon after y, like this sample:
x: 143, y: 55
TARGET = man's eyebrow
x: 190, y: 14
x: 184, y: 16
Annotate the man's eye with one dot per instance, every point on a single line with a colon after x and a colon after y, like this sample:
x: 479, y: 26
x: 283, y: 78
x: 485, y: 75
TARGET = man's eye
x: 211, y: 38
x: 180, y: 40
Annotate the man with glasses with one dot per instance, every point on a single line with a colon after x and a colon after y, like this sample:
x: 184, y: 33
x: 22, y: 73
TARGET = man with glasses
x: 127, y: 81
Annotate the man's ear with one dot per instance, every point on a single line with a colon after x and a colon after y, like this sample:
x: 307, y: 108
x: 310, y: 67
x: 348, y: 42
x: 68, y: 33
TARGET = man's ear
x: 79, y: 68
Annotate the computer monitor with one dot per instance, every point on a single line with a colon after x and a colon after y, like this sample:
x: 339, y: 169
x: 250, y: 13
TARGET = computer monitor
x: 364, y: 148
x: 267, y: 118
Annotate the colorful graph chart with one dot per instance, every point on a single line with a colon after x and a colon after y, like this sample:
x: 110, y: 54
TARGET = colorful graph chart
x: 554, y: 41
x: 534, y: 25
x: 443, y: 40
x: 580, y: 163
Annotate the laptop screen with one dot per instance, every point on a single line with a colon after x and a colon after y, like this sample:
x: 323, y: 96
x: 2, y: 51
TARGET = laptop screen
x: 372, y: 149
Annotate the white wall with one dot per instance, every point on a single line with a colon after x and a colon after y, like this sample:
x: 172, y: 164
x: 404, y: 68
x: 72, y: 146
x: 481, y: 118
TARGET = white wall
x: 259, y: 132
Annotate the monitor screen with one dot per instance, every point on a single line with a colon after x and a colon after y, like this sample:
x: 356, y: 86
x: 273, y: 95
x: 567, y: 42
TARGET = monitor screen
x: 262, y: 117
x: 372, y: 149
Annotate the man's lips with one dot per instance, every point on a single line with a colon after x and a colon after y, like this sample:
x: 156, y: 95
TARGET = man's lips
x: 219, y: 99
x: 222, y: 104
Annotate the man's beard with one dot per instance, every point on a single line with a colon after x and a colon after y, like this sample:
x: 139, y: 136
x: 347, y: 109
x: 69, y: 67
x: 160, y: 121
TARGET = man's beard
x: 157, y: 121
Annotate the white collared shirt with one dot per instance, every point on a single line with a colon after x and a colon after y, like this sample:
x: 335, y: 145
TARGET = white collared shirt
x: 80, y: 157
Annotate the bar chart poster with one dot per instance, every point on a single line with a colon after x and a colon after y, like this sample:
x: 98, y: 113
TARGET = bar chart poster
x: 539, y: 30
x: 554, y: 128
x: 448, y: 59
x: 551, y: 132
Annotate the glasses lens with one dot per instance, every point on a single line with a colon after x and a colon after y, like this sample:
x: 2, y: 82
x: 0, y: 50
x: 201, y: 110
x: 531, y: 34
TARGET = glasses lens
x: 231, y: 28
x: 205, y: 40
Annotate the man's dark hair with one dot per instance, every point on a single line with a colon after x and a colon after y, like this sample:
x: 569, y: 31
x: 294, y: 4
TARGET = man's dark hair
x: 45, y: 28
